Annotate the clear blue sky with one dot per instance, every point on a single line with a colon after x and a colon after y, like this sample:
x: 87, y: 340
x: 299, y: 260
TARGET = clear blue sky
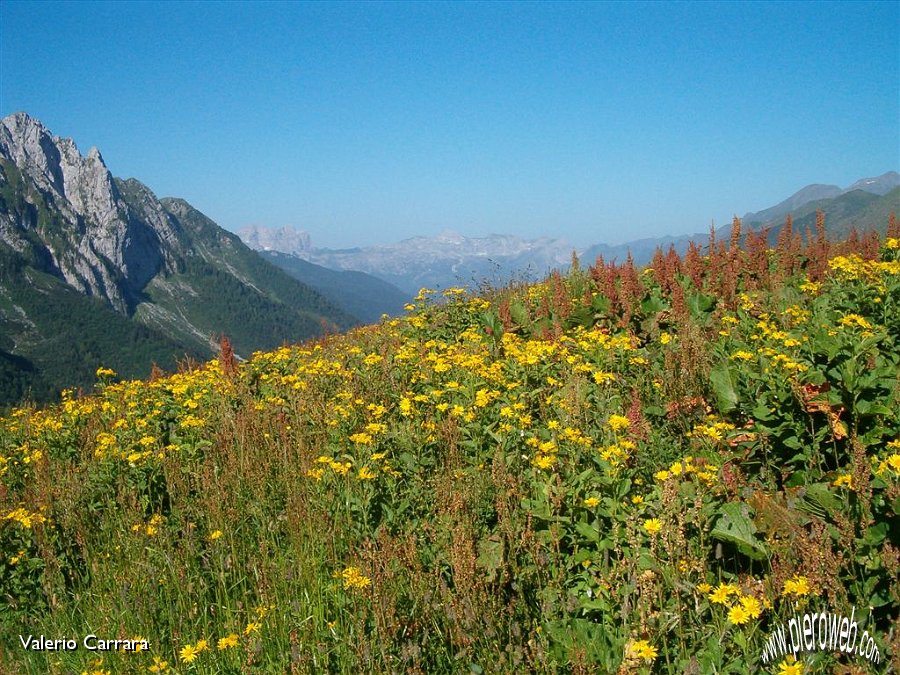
x: 370, y: 122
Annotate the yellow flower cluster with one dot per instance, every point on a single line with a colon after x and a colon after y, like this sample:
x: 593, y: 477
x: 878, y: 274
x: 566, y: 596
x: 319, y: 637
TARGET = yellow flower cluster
x: 890, y: 463
x: 712, y: 430
x: 741, y: 608
x: 641, y: 649
x: 797, y: 586
x: 151, y: 527
x: 353, y: 579
x: 854, y: 268
x: 618, y: 422
x: 854, y: 321
x: 189, y: 652
x: 25, y: 518
x: 689, y: 466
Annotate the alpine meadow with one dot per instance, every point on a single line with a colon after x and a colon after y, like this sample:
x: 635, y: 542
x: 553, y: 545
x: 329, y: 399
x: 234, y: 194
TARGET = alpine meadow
x: 616, y: 470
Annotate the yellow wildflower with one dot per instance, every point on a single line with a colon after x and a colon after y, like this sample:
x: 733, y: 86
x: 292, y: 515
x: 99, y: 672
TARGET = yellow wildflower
x: 642, y: 649
x: 790, y: 666
x: 738, y: 615
x: 721, y: 594
x: 188, y: 653
x: 228, y: 641
x: 844, y: 480
x: 353, y: 578
x: 798, y: 586
x: 618, y: 422
x: 366, y: 473
x: 751, y: 606
x: 652, y: 526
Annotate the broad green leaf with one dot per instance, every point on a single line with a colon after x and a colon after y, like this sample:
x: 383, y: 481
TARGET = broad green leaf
x: 723, y: 387
x: 824, y: 497
x: 736, y: 527
x: 588, y: 531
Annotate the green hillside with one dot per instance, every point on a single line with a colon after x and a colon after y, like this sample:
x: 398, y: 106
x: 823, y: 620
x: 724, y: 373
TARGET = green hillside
x: 862, y: 211
x: 52, y: 337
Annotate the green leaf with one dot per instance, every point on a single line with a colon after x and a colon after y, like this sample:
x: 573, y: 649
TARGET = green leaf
x: 518, y: 313
x: 700, y: 304
x: 490, y: 555
x: 735, y: 526
x: 876, y: 534
x: 824, y: 497
x: 723, y: 387
x: 600, y: 303
x: 762, y: 412
x: 653, y: 305
x: 588, y: 531
x: 583, y: 316
x: 594, y: 605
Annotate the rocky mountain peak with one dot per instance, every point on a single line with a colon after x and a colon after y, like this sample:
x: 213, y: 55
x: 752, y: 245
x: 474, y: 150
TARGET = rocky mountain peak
x: 100, y: 244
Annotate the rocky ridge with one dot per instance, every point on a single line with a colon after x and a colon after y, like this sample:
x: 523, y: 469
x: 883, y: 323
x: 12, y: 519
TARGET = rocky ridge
x: 99, y: 243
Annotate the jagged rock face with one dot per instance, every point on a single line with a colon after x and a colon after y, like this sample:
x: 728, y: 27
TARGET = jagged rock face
x: 109, y: 244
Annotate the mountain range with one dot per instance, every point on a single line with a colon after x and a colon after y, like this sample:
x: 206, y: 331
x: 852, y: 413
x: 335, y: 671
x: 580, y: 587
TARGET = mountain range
x: 445, y: 260
x: 95, y: 270
x: 450, y: 259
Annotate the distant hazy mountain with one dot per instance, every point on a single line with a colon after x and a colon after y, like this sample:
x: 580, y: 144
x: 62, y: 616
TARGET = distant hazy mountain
x: 283, y: 239
x: 880, y: 185
x: 856, y: 209
x: 803, y: 196
x: 451, y: 259
x: 641, y: 250
x: 446, y: 260
x: 363, y: 295
x: 96, y: 270
x: 865, y: 205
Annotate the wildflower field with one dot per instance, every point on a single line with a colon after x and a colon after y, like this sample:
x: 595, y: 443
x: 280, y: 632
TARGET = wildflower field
x: 615, y: 470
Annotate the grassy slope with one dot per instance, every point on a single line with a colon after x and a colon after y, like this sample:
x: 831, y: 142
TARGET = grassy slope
x: 608, y: 471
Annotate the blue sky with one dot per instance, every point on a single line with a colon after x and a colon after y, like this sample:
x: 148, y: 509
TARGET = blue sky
x: 370, y: 122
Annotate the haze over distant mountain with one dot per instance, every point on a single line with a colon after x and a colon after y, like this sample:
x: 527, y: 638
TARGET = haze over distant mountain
x: 282, y: 239
x: 363, y: 295
x: 97, y: 270
x: 864, y: 205
x: 854, y: 209
x: 879, y: 185
x: 451, y: 259
x: 443, y: 261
